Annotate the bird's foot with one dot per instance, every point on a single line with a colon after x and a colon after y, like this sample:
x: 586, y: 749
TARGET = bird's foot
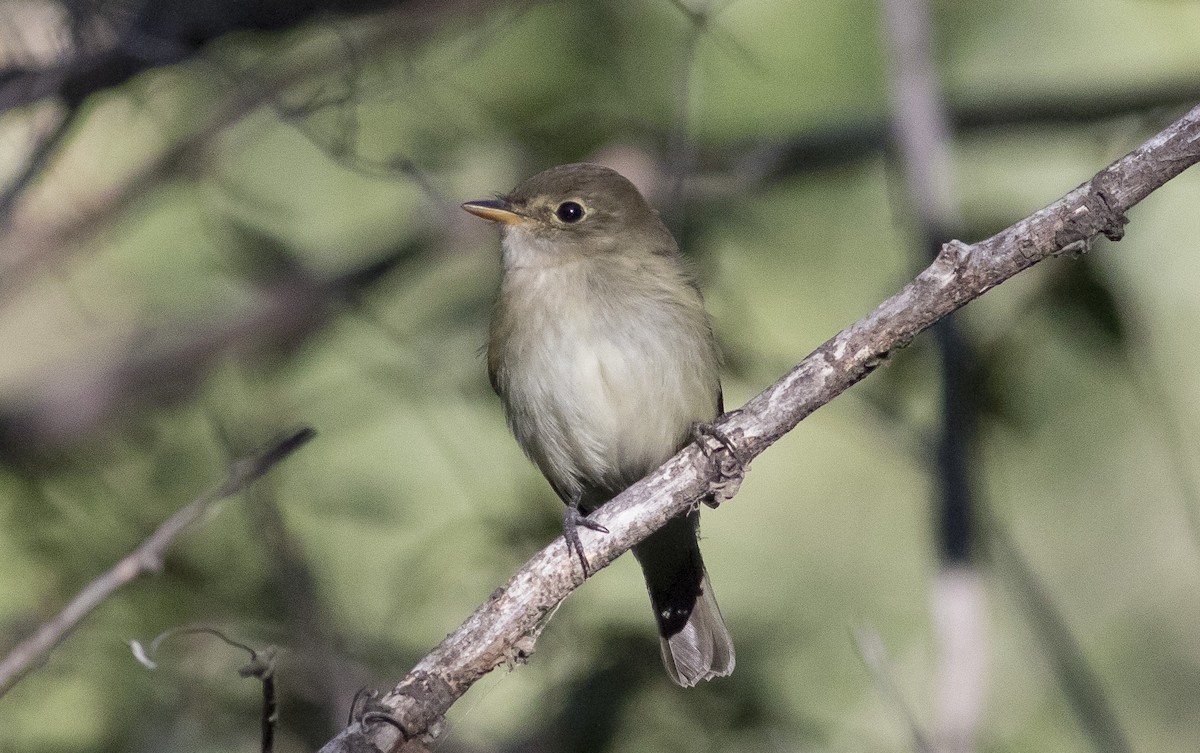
x: 367, y: 710
x: 573, y: 518
x: 720, y: 448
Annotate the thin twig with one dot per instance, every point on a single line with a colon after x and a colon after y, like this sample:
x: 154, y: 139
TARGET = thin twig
x: 146, y: 558
x: 873, y: 653
x: 29, y: 249
x: 1080, y: 683
x: 500, y: 630
x: 681, y: 151
x: 47, y: 145
x: 261, y: 667
x: 326, y: 679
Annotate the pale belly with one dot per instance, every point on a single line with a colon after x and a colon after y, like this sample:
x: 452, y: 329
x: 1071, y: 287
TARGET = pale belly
x: 603, y: 410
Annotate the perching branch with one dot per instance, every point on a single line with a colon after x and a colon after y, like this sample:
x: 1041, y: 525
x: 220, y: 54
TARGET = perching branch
x: 502, y: 630
x: 146, y: 558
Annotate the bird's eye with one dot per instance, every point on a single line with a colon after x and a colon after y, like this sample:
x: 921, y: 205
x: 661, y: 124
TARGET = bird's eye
x: 569, y: 211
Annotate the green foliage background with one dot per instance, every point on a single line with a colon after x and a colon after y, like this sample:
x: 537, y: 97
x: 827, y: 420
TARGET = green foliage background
x: 413, y: 503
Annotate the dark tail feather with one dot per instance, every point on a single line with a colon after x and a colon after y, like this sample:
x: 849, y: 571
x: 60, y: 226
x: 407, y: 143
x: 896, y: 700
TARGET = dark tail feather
x: 695, y: 642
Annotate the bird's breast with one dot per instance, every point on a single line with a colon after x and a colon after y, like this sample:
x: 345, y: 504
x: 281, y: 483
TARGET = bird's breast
x: 601, y: 378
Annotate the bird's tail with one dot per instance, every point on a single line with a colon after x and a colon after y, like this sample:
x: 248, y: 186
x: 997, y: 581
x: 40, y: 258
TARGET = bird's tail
x: 695, y: 641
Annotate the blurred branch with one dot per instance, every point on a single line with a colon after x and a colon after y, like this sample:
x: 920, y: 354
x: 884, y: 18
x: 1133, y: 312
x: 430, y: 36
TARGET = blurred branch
x: 152, y: 34
x: 107, y: 53
x: 922, y: 132
x: 29, y: 246
x: 1099, y: 310
x: 919, y: 120
x: 48, y: 143
x: 261, y: 667
x: 68, y: 403
x: 1082, y: 687
x: 853, y: 140
x: 1165, y: 415
x: 873, y: 653
x: 343, y: 147
x: 502, y: 631
x: 146, y: 558
x: 681, y: 151
x: 326, y: 680
x: 71, y: 402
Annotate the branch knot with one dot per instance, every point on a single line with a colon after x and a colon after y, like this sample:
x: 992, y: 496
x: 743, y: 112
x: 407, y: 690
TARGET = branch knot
x: 1114, y: 219
x: 951, y: 262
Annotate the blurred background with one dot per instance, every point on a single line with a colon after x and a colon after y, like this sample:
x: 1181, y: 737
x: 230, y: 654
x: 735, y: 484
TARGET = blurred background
x: 222, y: 220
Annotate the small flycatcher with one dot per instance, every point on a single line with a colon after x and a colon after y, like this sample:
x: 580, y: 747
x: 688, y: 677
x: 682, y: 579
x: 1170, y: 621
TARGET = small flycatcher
x: 604, y: 357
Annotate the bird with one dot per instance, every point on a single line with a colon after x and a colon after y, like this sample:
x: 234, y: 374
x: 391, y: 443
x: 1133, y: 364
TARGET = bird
x: 605, y: 360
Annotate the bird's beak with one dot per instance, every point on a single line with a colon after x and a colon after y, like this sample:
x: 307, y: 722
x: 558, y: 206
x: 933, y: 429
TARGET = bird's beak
x: 497, y: 210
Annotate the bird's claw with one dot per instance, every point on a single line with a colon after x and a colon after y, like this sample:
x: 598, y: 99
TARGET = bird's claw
x: 367, y: 710
x: 731, y: 467
x: 573, y: 518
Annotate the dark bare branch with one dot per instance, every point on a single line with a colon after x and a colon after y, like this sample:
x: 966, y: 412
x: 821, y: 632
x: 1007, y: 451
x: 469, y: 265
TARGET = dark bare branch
x: 30, y: 247
x: 146, y: 558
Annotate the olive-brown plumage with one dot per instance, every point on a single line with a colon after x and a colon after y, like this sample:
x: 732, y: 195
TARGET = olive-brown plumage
x: 604, y: 358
